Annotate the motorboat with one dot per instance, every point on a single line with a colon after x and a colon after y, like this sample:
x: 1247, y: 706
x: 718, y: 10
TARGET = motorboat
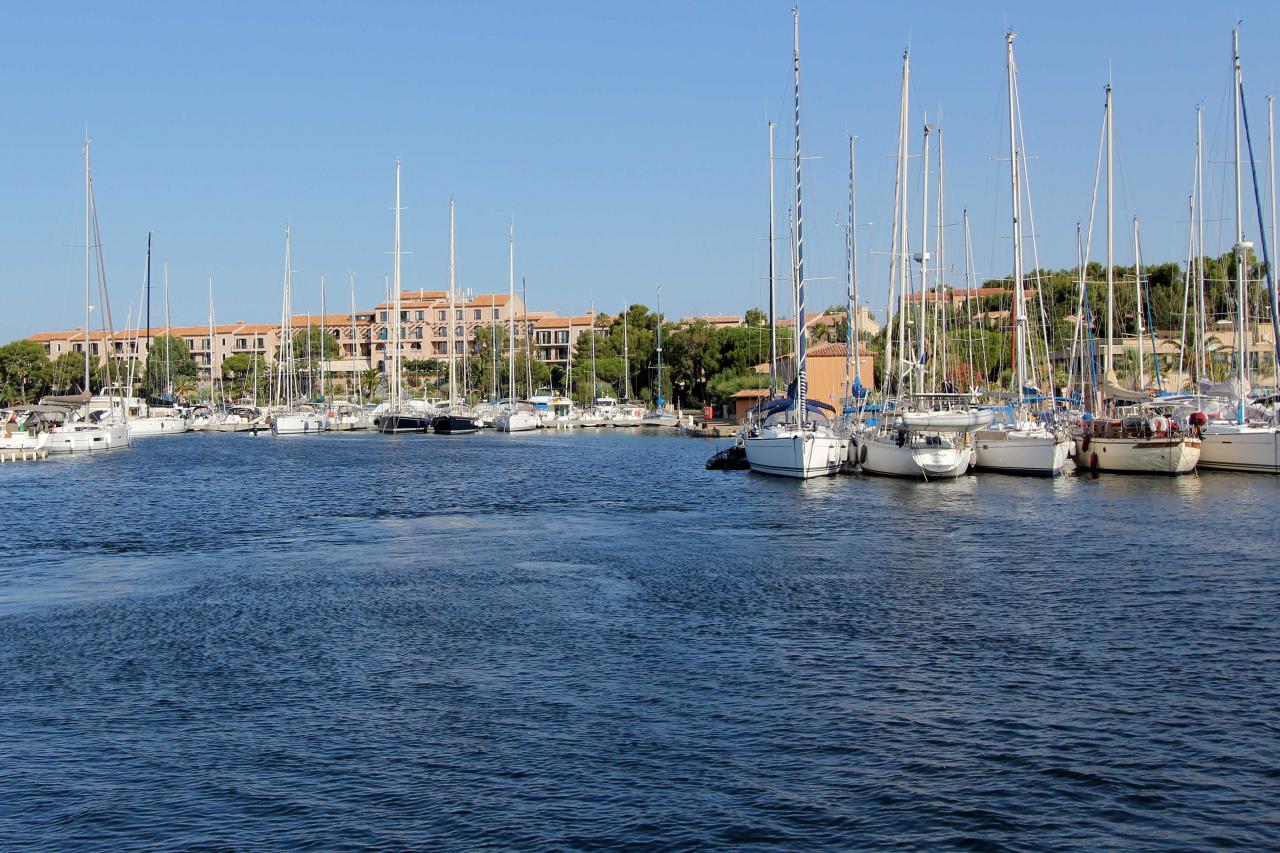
x: 516, y: 417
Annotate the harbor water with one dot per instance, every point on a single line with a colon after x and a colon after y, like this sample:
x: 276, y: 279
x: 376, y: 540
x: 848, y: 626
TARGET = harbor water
x: 586, y: 641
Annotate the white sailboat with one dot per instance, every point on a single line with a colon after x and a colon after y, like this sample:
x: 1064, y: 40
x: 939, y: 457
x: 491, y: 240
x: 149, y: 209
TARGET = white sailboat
x: 659, y: 415
x: 291, y: 418
x: 1241, y: 443
x: 71, y: 431
x: 1142, y: 438
x: 795, y: 436
x: 1023, y: 446
x: 513, y: 415
x: 458, y: 419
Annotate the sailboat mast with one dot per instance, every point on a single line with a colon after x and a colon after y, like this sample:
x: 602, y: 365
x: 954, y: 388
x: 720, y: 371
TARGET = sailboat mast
x: 511, y: 304
x: 168, y: 337
x: 324, y: 339
x: 1202, y: 323
x: 212, y: 397
x: 904, y: 258
x: 850, y: 338
x: 1137, y: 272
x: 453, y: 380
x: 87, y: 242
x: 355, y: 344
x: 1108, y: 371
x: 940, y: 280
x: 626, y: 357
x: 773, y: 281
x: 528, y: 338
x: 801, y: 332
x: 1275, y: 230
x: 918, y: 369
x: 894, y: 252
x: 148, y: 377
x: 395, y: 383
x: 1019, y: 306
x: 1241, y: 248
x: 659, y: 402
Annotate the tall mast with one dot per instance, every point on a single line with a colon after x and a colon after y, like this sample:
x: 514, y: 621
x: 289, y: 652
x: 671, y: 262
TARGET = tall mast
x: 511, y: 304
x: 657, y: 397
x: 168, y: 370
x: 493, y: 346
x: 395, y: 380
x: 801, y: 333
x: 773, y: 314
x: 1108, y: 371
x: 1275, y: 231
x: 594, y: 388
x: 528, y: 338
x: 894, y: 252
x: 903, y: 256
x: 1137, y: 274
x: 453, y: 381
x: 918, y: 368
x: 1202, y: 323
x: 1019, y: 306
x: 148, y: 378
x: 849, y: 322
x: 212, y: 397
x: 940, y: 281
x: 87, y: 241
x: 324, y: 339
x: 626, y: 357
x: 1241, y: 247
x: 968, y: 298
x: 355, y: 344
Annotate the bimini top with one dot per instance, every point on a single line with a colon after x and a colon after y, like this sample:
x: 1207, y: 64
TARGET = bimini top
x: 783, y: 403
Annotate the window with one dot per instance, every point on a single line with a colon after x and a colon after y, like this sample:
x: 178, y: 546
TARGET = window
x: 478, y: 314
x: 93, y: 348
x: 459, y: 314
x: 458, y: 331
x: 259, y: 343
x: 241, y: 343
x: 382, y: 335
x: 420, y: 316
x: 418, y: 333
x: 562, y: 337
x: 404, y: 316
x: 457, y: 347
x: 544, y: 337
x: 441, y: 316
x: 497, y: 313
x: 382, y: 315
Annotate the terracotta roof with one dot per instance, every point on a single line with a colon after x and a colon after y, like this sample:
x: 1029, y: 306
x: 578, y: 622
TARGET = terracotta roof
x: 751, y: 393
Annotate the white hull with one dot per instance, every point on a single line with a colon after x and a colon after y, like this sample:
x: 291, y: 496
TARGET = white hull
x: 516, y: 421
x: 961, y: 420
x: 1035, y: 452
x: 1230, y: 447
x: 295, y: 424
x: 801, y: 454
x: 145, y: 427
x: 916, y: 459
x: 88, y: 438
x: 1157, y: 455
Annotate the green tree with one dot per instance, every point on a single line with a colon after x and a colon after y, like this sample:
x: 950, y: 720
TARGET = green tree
x: 312, y: 344
x: 67, y: 373
x: 239, y: 370
x: 25, y: 371
x: 181, y: 363
x: 755, y: 317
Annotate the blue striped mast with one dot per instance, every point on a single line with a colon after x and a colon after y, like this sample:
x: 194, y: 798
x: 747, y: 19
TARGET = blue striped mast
x: 801, y: 333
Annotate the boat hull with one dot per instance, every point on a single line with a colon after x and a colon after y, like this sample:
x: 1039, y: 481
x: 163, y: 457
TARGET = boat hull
x: 1158, y: 455
x: 86, y: 438
x: 802, y: 455
x: 516, y: 422
x: 392, y: 424
x: 22, y: 441
x: 296, y: 424
x: 1034, y: 453
x: 454, y: 425
x: 883, y: 456
x: 1230, y: 447
x: 147, y: 427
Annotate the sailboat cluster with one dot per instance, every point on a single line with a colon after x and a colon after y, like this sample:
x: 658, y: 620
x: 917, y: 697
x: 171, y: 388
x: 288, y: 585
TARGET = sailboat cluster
x: 923, y: 424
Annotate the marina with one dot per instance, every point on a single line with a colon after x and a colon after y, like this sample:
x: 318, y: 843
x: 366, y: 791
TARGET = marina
x: 417, y: 434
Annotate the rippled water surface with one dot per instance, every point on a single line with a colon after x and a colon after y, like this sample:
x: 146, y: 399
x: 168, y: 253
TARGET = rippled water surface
x: 588, y: 641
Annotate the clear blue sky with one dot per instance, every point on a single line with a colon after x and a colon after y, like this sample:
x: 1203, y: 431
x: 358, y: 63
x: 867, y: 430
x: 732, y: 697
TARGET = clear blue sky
x: 627, y: 141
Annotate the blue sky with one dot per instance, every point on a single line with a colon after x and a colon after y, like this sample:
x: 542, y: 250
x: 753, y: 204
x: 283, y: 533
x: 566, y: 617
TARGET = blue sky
x: 628, y: 142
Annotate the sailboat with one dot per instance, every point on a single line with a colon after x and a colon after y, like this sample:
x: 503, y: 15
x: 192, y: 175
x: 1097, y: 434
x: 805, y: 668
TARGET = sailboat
x: 457, y: 419
x: 71, y: 429
x: 1244, y: 442
x: 659, y: 415
x: 929, y: 443
x: 1024, y: 446
x: 290, y: 417
x: 393, y: 415
x: 513, y: 415
x: 1140, y: 436
x: 794, y: 436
